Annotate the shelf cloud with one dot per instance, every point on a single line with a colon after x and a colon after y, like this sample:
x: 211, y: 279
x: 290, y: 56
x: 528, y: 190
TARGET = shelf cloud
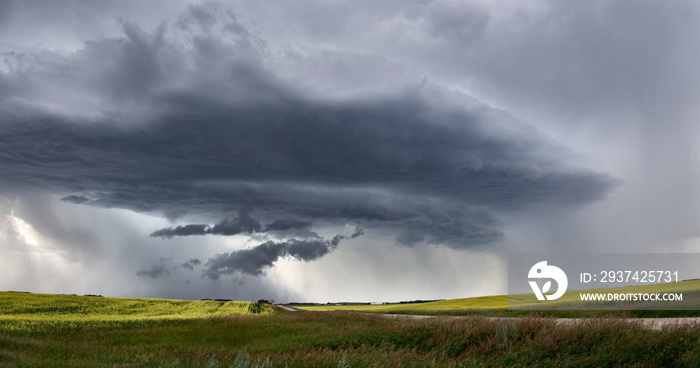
x: 250, y: 135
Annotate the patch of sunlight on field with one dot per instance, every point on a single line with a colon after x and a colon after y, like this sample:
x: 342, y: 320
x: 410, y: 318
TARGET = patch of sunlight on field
x: 570, y: 298
x: 25, y: 311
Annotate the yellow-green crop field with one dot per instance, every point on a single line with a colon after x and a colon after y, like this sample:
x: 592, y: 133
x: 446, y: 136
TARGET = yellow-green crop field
x: 25, y: 311
x: 570, y: 300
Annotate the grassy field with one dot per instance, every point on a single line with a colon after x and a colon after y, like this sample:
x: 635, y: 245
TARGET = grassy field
x: 29, y: 312
x: 81, y: 331
x: 498, y: 304
x: 352, y: 339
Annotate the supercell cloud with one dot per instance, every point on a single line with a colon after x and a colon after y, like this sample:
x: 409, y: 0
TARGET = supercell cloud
x: 208, y: 127
x: 273, y: 144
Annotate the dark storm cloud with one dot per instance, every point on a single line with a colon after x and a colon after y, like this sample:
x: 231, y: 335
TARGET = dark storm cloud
x: 154, y: 126
x: 185, y: 230
x: 456, y: 234
x: 75, y: 199
x: 243, y: 224
x: 357, y: 233
x: 409, y: 238
x: 190, y: 265
x: 453, y: 223
x: 255, y: 260
x: 288, y: 223
x: 336, y: 240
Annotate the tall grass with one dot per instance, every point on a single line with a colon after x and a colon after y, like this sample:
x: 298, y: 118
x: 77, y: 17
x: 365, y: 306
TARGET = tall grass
x: 350, y: 339
x: 97, y: 332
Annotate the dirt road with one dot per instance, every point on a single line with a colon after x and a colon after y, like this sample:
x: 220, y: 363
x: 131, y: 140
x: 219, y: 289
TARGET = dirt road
x: 288, y: 309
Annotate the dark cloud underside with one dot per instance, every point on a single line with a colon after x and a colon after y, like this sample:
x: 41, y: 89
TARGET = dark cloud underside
x: 255, y: 260
x: 243, y: 224
x: 288, y: 223
x: 191, y: 264
x: 194, y: 119
x: 223, y: 157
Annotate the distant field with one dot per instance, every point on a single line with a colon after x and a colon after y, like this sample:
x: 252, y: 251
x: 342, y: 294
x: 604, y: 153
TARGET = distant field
x: 571, y: 299
x: 482, y: 302
x: 25, y: 311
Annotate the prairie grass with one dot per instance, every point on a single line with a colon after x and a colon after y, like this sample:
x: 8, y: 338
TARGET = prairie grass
x: 26, y: 312
x: 322, y: 339
x: 352, y: 339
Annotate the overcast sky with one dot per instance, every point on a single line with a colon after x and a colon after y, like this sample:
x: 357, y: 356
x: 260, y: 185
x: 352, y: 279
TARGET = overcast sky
x: 326, y: 151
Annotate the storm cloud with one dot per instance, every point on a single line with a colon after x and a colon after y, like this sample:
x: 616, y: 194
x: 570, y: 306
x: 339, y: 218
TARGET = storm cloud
x: 212, y: 127
x: 191, y: 264
x: 288, y: 223
x: 357, y: 233
x: 259, y: 134
x: 254, y: 261
x: 184, y: 230
x: 243, y: 224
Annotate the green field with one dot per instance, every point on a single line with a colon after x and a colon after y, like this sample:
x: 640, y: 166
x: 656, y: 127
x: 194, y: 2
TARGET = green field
x: 570, y: 300
x: 28, y: 312
x: 82, y: 331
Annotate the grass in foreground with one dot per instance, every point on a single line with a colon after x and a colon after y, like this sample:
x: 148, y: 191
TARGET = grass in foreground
x: 351, y: 339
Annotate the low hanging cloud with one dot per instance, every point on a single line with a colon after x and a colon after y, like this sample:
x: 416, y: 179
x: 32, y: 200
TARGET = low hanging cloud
x: 357, y: 233
x: 254, y: 261
x: 243, y: 224
x: 191, y: 264
x: 184, y: 230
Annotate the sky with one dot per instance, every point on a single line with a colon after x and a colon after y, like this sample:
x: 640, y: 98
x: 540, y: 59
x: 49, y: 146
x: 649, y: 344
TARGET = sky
x: 339, y: 151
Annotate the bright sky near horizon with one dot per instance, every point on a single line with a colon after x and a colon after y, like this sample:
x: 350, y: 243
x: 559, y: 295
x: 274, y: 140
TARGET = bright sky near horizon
x: 347, y: 150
